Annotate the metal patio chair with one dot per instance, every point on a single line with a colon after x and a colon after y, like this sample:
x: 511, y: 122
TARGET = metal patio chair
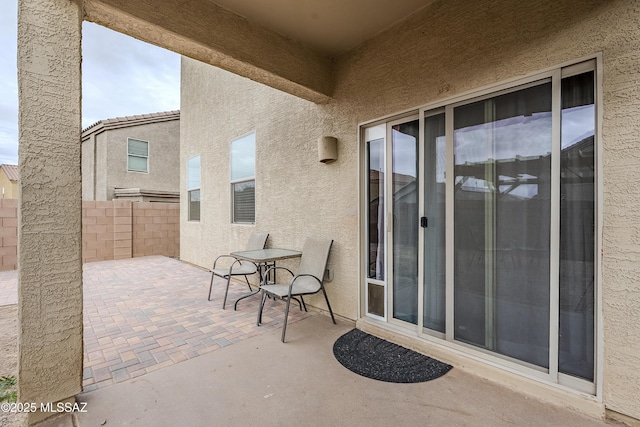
x: 309, y: 280
x: 238, y: 267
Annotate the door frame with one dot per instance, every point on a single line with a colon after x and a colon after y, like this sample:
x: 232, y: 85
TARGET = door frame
x: 558, y: 379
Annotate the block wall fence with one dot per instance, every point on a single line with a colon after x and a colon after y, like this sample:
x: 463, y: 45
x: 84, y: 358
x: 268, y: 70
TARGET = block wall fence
x: 110, y: 230
x: 9, y: 234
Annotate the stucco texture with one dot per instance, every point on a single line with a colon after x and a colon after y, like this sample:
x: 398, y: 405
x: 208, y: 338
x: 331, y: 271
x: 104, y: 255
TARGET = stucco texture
x: 110, y: 160
x: 446, y: 49
x: 9, y: 188
x: 296, y: 195
x: 49, y: 222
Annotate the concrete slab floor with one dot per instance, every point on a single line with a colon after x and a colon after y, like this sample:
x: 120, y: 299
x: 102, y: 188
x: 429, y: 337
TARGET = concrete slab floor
x: 260, y: 381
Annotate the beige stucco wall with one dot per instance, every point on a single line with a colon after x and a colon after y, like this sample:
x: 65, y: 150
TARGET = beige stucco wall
x: 88, y: 168
x: 49, y: 222
x: 444, y: 50
x: 296, y: 196
x: 10, y: 187
x: 8, y: 234
x: 100, y: 164
x: 108, y: 169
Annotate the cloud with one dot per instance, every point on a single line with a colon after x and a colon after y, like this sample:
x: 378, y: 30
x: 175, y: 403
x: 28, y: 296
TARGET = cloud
x: 121, y: 76
x: 9, y: 83
x: 8, y: 148
x: 135, y: 78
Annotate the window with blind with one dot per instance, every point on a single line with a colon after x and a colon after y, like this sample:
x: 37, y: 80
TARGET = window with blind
x: 243, y: 182
x: 193, y: 187
x: 137, y: 155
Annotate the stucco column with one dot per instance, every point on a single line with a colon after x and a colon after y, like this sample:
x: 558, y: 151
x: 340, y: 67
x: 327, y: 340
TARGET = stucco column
x: 49, y: 227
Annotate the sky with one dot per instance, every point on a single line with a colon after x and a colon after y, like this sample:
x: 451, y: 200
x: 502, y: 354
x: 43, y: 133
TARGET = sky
x: 121, y: 76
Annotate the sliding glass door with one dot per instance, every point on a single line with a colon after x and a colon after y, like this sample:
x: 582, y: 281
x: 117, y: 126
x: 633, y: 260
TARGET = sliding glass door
x: 433, y: 223
x: 577, y: 227
x: 391, y: 159
x: 502, y: 216
x: 481, y: 224
x: 404, y: 190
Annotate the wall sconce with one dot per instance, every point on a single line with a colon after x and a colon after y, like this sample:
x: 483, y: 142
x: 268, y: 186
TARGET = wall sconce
x: 327, y: 149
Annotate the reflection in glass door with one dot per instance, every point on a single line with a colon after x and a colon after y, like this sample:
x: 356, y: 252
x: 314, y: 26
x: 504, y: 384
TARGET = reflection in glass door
x: 502, y: 199
x: 376, y: 230
x: 434, y: 223
x: 404, y: 185
x: 577, y: 220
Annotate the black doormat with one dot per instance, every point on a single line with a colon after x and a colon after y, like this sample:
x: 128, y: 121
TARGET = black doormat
x: 375, y: 358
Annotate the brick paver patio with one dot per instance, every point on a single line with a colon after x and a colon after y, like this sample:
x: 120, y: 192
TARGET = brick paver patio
x: 143, y: 314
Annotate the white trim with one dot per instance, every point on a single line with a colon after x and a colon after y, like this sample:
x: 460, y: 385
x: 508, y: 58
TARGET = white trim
x: 388, y: 223
x: 421, y: 213
x: 578, y: 68
x: 599, y: 253
x: 449, y: 225
x: 554, y: 226
x: 136, y: 155
x: 239, y: 181
x: 362, y: 224
x: 405, y: 118
x: 595, y: 65
x: 576, y: 383
x: 372, y: 133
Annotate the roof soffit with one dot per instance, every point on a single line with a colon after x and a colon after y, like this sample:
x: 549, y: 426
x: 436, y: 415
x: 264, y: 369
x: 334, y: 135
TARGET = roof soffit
x: 202, y: 30
x: 330, y: 27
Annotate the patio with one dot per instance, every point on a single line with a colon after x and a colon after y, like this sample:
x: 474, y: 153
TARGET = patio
x: 158, y: 353
x: 144, y: 314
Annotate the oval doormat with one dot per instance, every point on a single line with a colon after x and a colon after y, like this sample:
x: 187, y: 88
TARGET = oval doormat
x: 375, y: 358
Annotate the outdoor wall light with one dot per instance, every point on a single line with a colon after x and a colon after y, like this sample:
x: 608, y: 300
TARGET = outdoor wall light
x: 327, y: 149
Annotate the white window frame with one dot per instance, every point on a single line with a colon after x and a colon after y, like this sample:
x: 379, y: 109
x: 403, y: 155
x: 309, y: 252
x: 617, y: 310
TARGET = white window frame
x: 372, y: 133
x: 191, y: 188
x: 138, y: 156
x: 246, y: 179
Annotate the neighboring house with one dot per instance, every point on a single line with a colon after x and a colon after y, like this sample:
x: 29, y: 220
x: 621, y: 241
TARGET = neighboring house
x: 9, y: 175
x: 132, y: 158
x: 496, y: 138
x: 518, y: 121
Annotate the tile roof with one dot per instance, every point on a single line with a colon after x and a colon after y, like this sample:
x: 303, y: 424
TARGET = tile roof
x: 140, y: 118
x: 12, y: 171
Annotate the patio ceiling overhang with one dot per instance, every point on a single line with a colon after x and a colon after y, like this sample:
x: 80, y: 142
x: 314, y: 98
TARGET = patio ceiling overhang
x: 287, y: 45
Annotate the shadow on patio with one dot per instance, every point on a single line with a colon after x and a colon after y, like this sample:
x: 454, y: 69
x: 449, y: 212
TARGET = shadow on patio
x: 157, y: 353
